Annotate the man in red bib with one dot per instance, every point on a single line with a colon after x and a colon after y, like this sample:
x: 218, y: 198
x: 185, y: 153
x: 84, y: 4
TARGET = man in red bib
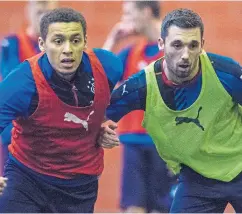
x: 57, y: 108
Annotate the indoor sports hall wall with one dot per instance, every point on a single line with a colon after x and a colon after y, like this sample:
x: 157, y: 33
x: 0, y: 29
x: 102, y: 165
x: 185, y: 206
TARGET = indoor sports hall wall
x: 223, y: 21
x: 223, y: 34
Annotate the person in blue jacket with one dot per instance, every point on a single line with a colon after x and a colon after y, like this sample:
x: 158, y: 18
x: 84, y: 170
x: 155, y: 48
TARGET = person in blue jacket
x: 192, y: 102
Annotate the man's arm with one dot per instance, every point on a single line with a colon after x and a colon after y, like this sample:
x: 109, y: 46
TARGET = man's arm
x: 16, y: 92
x: 108, y: 138
x: 112, y: 66
x: 120, y: 31
x: 128, y: 97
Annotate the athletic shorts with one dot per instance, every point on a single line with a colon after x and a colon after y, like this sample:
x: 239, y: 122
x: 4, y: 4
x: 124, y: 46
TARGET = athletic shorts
x: 197, y: 194
x: 26, y: 194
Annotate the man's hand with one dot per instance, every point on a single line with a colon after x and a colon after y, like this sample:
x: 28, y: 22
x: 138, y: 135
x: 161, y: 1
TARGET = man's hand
x: 3, y: 184
x: 118, y: 32
x: 108, y: 137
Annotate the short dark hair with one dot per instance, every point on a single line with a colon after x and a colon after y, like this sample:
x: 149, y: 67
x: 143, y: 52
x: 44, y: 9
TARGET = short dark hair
x: 183, y: 18
x: 61, y: 15
x: 153, y: 5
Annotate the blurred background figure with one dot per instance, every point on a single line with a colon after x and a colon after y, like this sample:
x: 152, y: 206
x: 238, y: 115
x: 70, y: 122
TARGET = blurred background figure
x: 17, y: 47
x: 146, y: 182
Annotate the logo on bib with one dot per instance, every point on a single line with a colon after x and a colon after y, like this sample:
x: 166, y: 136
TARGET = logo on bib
x: 69, y: 117
x: 180, y: 120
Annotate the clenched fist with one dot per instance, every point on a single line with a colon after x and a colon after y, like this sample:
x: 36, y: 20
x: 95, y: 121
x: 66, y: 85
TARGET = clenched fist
x: 108, y: 137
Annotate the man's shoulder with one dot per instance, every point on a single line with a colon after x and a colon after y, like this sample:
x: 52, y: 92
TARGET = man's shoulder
x: 21, y: 72
x: 112, y: 65
x: 137, y: 80
x: 22, y: 68
x: 102, y: 54
x: 225, y: 64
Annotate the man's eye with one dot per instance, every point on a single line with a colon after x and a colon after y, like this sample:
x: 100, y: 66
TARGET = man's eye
x: 193, y: 46
x: 75, y: 41
x: 177, y: 45
x: 57, y: 41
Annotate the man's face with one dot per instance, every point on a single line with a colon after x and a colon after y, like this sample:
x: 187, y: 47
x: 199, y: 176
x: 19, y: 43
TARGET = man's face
x: 36, y: 9
x: 64, y: 46
x: 133, y: 16
x: 182, y: 48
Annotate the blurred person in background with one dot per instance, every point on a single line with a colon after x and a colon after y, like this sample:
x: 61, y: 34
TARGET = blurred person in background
x: 193, y: 112
x: 57, y: 110
x: 146, y: 182
x: 15, y: 48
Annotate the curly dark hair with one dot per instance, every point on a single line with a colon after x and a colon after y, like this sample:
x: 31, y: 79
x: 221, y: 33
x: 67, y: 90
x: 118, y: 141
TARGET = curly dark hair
x: 61, y: 15
x: 183, y: 18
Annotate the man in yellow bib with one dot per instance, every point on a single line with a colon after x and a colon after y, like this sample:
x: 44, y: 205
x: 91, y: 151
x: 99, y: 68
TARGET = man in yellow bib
x: 192, y: 102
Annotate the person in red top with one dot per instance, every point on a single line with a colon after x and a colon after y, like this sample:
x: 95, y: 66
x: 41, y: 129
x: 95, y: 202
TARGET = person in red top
x: 17, y: 47
x: 146, y: 182
x: 57, y: 109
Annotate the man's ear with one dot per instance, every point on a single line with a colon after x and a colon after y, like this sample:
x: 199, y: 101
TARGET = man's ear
x: 85, y: 40
x: 202, y: 45
x: 41, y: 44
x: 161, y: 44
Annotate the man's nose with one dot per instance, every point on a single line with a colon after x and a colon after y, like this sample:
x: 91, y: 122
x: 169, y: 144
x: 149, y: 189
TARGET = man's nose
x: 67, y: 48
x: 185, y: 54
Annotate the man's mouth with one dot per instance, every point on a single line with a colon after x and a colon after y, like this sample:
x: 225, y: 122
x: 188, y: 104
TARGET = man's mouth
x: 67, y: 62
x: 184, y: 65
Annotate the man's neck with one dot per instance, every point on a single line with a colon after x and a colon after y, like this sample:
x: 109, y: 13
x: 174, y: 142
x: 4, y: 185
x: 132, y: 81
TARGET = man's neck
x: 176, y: 80
x: 66, y: 77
